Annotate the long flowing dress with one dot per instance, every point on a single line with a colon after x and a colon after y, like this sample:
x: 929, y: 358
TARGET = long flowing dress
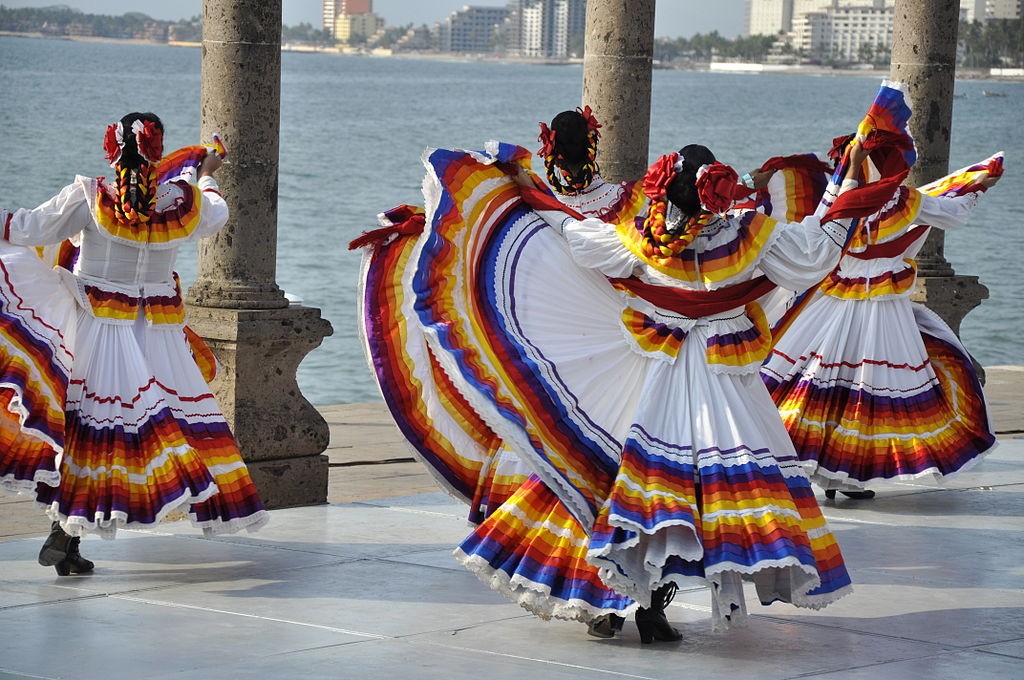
x: 651, y: 426
x: 871, y: 386
x: 107, y: 417
x: 467, y: 459
x: 531, y: 549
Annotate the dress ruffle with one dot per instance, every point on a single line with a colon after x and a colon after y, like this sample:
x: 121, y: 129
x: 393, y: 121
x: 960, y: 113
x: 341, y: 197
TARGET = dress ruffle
x: 868, y: 395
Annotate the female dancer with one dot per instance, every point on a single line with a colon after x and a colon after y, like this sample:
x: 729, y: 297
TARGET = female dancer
x: 871, y: 386
x: 96, y: 371
x: 467, y: 458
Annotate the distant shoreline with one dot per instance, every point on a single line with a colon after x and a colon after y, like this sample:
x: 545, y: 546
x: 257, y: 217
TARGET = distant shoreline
x: 749, y: 69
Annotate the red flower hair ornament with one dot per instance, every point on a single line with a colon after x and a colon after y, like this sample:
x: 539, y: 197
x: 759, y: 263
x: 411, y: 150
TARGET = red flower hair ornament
x: 113, y: 142
x: 547, y: 141
x: 716, y: 185
x: 149, y: 139
x: 659, y: 175
x: 588, y: 116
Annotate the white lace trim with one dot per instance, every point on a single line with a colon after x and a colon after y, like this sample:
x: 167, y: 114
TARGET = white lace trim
x: 531, y: 596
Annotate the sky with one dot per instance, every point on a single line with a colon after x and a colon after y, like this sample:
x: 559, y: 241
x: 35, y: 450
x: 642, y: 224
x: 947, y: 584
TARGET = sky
x: 673, y: 18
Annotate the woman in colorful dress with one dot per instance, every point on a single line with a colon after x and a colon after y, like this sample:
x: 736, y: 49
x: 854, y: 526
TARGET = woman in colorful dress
x: 699, y: 481
x: 872, y: 387
x: 533, y: 527
x: 467, y: 458
x: 108, y: 418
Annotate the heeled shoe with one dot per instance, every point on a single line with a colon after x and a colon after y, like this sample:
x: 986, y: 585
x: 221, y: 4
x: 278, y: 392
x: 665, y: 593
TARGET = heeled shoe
x: 76, y: 564
x: 55, y: 547
x: 605, y: 626
x: 856, y: 495
x: 652, y: 623
x: 61, y: 551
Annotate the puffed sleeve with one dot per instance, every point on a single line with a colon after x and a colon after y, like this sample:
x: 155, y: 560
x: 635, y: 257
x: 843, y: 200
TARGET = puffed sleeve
x: 214, y: 211
x: 946, y: 211
x: 59, y: 218
x: 803, y: 253
x: 593, y: 244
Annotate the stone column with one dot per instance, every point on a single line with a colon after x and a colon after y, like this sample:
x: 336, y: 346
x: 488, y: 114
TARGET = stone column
x: 235, y: 303
x: 617, y: 64
x: 924, y: 57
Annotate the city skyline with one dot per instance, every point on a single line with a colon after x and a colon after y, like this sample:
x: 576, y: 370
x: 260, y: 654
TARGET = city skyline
x: 674, y: 18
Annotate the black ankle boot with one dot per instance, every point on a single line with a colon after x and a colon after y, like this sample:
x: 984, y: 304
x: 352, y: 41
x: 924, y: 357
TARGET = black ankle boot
x: 75, y: 563
x: 652, y: 623
x: 55, y: 547
x: 605, y: 626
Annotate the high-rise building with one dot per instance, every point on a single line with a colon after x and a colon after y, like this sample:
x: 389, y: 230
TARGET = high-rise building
x: 330, y: 12
x: 335, y: 8
x: 545, y: 28
x: 471, y: 30
x: 769, y: 17
x: 355, y: 7
x: 352, y: 29
x: 847, y: 30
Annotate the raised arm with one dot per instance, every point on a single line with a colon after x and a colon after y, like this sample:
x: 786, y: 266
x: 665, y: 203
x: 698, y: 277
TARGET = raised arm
x: 214, y: 212
x: 59, y: 218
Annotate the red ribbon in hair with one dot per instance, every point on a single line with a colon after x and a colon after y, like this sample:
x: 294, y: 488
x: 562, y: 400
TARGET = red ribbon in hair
x: 150, y: 141
x: 547, y: 141
x: 717, y: 187
x: 659, y: 175
x: 110, y: 145
x: 588, y: 116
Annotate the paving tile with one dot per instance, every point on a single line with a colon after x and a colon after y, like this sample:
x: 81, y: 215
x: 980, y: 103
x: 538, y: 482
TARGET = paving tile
x: 120, y: 638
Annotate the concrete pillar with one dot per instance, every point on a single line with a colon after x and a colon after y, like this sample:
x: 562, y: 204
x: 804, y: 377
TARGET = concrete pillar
x: 617, y: 65
x: 924, y: 57
x: 235, y: 303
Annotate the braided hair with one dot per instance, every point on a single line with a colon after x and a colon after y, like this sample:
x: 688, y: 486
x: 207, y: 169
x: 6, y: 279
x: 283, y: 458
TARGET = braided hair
x: 136, y: 168
x: 570, y: 153
x: 674, y: 215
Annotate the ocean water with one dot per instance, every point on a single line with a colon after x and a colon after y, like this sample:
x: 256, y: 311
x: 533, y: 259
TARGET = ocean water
x: 353, y: 131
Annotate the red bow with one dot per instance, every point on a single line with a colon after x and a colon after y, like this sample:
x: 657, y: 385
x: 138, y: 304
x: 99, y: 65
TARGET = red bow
x: 150, y: 141
x: 588, y: 116
x: 659, y: 175
x: 110, y: 145
x: 406, y: 221
x: 716, y: 186
x: 547, y: 141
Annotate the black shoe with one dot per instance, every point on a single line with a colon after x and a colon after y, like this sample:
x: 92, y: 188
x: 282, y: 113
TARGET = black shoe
x: 75, y: 562
x: 605, y: 626
x: 652, y: 623
x: 55, y: 547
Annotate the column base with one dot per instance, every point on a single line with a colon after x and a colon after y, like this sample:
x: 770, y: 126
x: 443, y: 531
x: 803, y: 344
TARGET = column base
x: 291, y: 482
x: 280, y: 434
x: 951, y: 297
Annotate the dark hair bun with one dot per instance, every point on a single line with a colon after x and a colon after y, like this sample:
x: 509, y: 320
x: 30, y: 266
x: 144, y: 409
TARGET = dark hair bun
x: 682, y: 190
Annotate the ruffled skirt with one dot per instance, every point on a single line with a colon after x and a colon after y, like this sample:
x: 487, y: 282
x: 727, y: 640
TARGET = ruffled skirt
x: 131, y: 430
x: 877, y: 390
